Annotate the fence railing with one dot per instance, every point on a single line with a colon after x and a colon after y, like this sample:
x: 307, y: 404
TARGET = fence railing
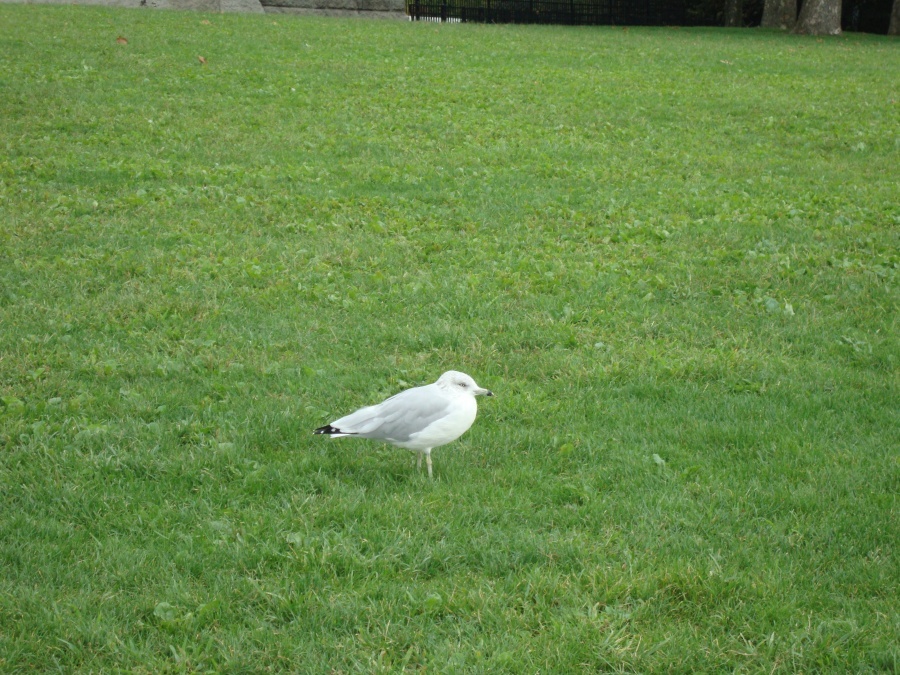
x: 568, y: 12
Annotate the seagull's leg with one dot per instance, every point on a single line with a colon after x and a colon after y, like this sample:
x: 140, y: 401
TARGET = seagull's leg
x: 419, y: 461
x: 428, y: 460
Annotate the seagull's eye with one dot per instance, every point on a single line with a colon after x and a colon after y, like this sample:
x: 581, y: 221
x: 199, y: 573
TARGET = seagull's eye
x: 462, y: 384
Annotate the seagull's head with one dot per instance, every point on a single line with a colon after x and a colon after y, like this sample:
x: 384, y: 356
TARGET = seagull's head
x: 457, y: 383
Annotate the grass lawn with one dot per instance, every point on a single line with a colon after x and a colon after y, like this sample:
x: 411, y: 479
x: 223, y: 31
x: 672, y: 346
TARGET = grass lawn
x: 671, y: 254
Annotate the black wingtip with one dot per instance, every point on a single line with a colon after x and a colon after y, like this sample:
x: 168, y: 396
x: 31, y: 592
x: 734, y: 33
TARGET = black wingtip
x: 327, y: 429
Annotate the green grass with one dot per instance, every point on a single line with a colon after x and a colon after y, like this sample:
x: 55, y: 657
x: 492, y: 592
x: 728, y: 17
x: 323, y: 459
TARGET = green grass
x: 672, y: 255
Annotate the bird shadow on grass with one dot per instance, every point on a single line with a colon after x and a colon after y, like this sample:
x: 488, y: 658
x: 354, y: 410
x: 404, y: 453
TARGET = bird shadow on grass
x: 375, y: 470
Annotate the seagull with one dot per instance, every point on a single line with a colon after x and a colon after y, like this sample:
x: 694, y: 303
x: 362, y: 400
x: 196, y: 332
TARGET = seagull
x: 418, y: 419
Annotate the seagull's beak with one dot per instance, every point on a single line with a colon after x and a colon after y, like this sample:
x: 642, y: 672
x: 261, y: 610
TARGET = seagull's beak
x: 483, y: 392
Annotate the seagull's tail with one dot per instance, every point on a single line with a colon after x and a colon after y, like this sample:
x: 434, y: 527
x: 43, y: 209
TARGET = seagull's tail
x: 329, y: 430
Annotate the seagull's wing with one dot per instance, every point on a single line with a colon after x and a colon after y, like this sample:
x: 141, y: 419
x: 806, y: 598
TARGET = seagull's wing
x: 399, y: 417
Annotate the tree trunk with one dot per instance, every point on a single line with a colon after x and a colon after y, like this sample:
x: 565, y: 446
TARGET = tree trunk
x: 734, y: 13
x: 782, y: 14
x: 819, y: 17
x: 894, y: 28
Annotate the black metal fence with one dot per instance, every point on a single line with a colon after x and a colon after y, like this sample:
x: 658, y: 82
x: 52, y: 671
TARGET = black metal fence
x: 567, y: 12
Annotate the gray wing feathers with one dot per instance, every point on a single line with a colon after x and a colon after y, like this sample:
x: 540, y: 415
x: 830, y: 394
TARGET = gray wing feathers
x: 360, y: 422
x: 397, y: 418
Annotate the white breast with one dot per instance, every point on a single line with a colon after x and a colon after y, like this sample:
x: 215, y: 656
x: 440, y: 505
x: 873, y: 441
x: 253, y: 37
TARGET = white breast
x: 447, y: 428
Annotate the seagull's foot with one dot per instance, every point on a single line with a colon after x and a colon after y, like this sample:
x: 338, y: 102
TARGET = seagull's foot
x: 428, y: 461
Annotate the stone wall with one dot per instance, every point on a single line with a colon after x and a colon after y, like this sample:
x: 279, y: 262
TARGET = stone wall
x: 371, y: 8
